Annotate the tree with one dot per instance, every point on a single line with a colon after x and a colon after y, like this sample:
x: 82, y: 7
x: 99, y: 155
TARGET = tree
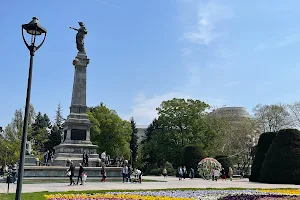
x: 186, y: 118
x: 191, y: 156
x: 11, y: 142
x: 109, y: 131
x: 133, y: 141
x: 225, y: 161
x: 180, y: 123
x: 282, y: 162
x: 264, y: 142
x: 59, y: 120
x: 56, y: 131
x: 40, y: 132
x: 54, y: 138
x: 294, y: 111
x: 272, y: 118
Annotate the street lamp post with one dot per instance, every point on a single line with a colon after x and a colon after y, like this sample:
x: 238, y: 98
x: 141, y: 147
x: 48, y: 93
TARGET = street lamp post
x: 34, y: 29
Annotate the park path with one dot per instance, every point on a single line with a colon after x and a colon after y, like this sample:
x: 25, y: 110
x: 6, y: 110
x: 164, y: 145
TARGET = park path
x: 171, y: 182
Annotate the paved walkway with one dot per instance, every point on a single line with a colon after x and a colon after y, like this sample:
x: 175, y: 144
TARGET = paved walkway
x: 172, y: 182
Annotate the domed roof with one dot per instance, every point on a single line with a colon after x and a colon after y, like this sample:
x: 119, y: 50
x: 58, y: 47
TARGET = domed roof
x: 236, y: 112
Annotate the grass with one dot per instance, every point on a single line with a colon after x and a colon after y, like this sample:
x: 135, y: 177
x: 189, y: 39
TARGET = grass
x: 40, y: 195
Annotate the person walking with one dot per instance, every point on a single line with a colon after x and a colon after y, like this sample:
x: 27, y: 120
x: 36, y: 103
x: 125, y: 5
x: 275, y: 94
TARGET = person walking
x: 71, y: 173
x: 223, y: 174
x: 180, y: 173
x: 124, y: 173
x: 230, y: 173
x: 216, y: 174
x: 80, y: 172
x: 192, y: 173
x: 103, y: 173
x: 14, y: 174
x: 184, y: 172
x: 129, y: 173
x: 165, y: 173
x: 46, y: 156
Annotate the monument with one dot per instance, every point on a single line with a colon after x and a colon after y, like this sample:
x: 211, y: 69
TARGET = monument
x: 30, y: 160
x: 76, y: 129
x: 76, y: 137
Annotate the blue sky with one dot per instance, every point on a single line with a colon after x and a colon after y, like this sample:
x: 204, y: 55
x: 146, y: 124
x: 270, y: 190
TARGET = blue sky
x: 234, y: 53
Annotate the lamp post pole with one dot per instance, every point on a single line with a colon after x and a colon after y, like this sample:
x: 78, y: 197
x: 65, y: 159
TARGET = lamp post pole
x: 25, y: 126
x: 34, y: 29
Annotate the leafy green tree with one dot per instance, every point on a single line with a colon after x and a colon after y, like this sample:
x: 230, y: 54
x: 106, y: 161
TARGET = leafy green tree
x: 133, y: 141
x: 56, y: 131
x: 191, y: 156
x: 180, y: 123
x: 10, y: 143
x: 109, y: 131
x: 54, y: 138
x: 40, y: 132
x: 225, y: 161
x: 186, y: 117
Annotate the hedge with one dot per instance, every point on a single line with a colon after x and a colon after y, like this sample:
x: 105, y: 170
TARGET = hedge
x: 282, y: 161
x: 264, y: 142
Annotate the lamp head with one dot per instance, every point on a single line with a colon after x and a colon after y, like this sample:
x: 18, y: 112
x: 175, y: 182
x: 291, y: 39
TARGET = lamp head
x: 34, y: 27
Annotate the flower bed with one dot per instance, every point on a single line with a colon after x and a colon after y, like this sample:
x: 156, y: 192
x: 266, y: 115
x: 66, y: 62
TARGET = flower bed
x: 185, y: 195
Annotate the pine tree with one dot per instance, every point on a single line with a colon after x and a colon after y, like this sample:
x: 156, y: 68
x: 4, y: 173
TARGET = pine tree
x: 59, y: 120
x: 133, y: 141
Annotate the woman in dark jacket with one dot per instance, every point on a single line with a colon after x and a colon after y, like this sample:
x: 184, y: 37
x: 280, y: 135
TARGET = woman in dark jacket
x: 81, y: 170
x: 103, y: 173
x: 71, y: 170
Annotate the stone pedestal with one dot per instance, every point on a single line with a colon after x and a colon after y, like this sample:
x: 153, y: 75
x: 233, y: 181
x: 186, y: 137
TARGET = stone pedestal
x: 30, y: 160
x: 77, y: 126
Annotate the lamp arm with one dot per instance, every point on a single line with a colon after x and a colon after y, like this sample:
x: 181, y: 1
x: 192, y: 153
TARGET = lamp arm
x: 24, y: 39
x: 41, y: 43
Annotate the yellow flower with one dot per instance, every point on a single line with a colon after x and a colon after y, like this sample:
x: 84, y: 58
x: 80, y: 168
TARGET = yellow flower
x: 282, y: 191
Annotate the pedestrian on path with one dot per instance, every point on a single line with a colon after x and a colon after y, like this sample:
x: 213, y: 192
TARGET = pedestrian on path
x: 103, y: 173
x: 124, y: 171
x: 230, y: 173
x: 165, y: 173
x: 71, y: 173
x: 80, y: 172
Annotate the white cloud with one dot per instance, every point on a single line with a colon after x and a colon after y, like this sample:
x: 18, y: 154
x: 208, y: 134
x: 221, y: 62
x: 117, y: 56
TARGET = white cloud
x: 144, y: 108
x: 209, y: 15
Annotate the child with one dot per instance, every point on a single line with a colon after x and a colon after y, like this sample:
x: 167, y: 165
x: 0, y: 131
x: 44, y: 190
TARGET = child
x: 84, y: 176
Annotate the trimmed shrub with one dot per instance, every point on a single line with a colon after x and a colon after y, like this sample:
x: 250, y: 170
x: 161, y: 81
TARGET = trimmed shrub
x: 225, y: 162
x: 191, y: 156
x: 264, y: 142
x: 282, y: 161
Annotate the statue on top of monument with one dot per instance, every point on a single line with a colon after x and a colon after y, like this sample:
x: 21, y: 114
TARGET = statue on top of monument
x: 81, y: 32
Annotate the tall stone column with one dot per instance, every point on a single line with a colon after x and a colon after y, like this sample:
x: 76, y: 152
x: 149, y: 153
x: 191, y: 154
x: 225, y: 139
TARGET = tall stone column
x: 77, y: 126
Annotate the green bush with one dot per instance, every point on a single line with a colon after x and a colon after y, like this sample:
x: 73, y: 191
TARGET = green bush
x: 264, y: 142
x: 170, y: 169
x: 282, y: 161
x: 191, y: 156
x: 156, y: 171
x: 225, y: 162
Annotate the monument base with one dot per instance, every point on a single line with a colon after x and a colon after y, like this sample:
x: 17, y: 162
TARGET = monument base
x: 30, y: 160
x: 73, y: 151
x: 58, y: 171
